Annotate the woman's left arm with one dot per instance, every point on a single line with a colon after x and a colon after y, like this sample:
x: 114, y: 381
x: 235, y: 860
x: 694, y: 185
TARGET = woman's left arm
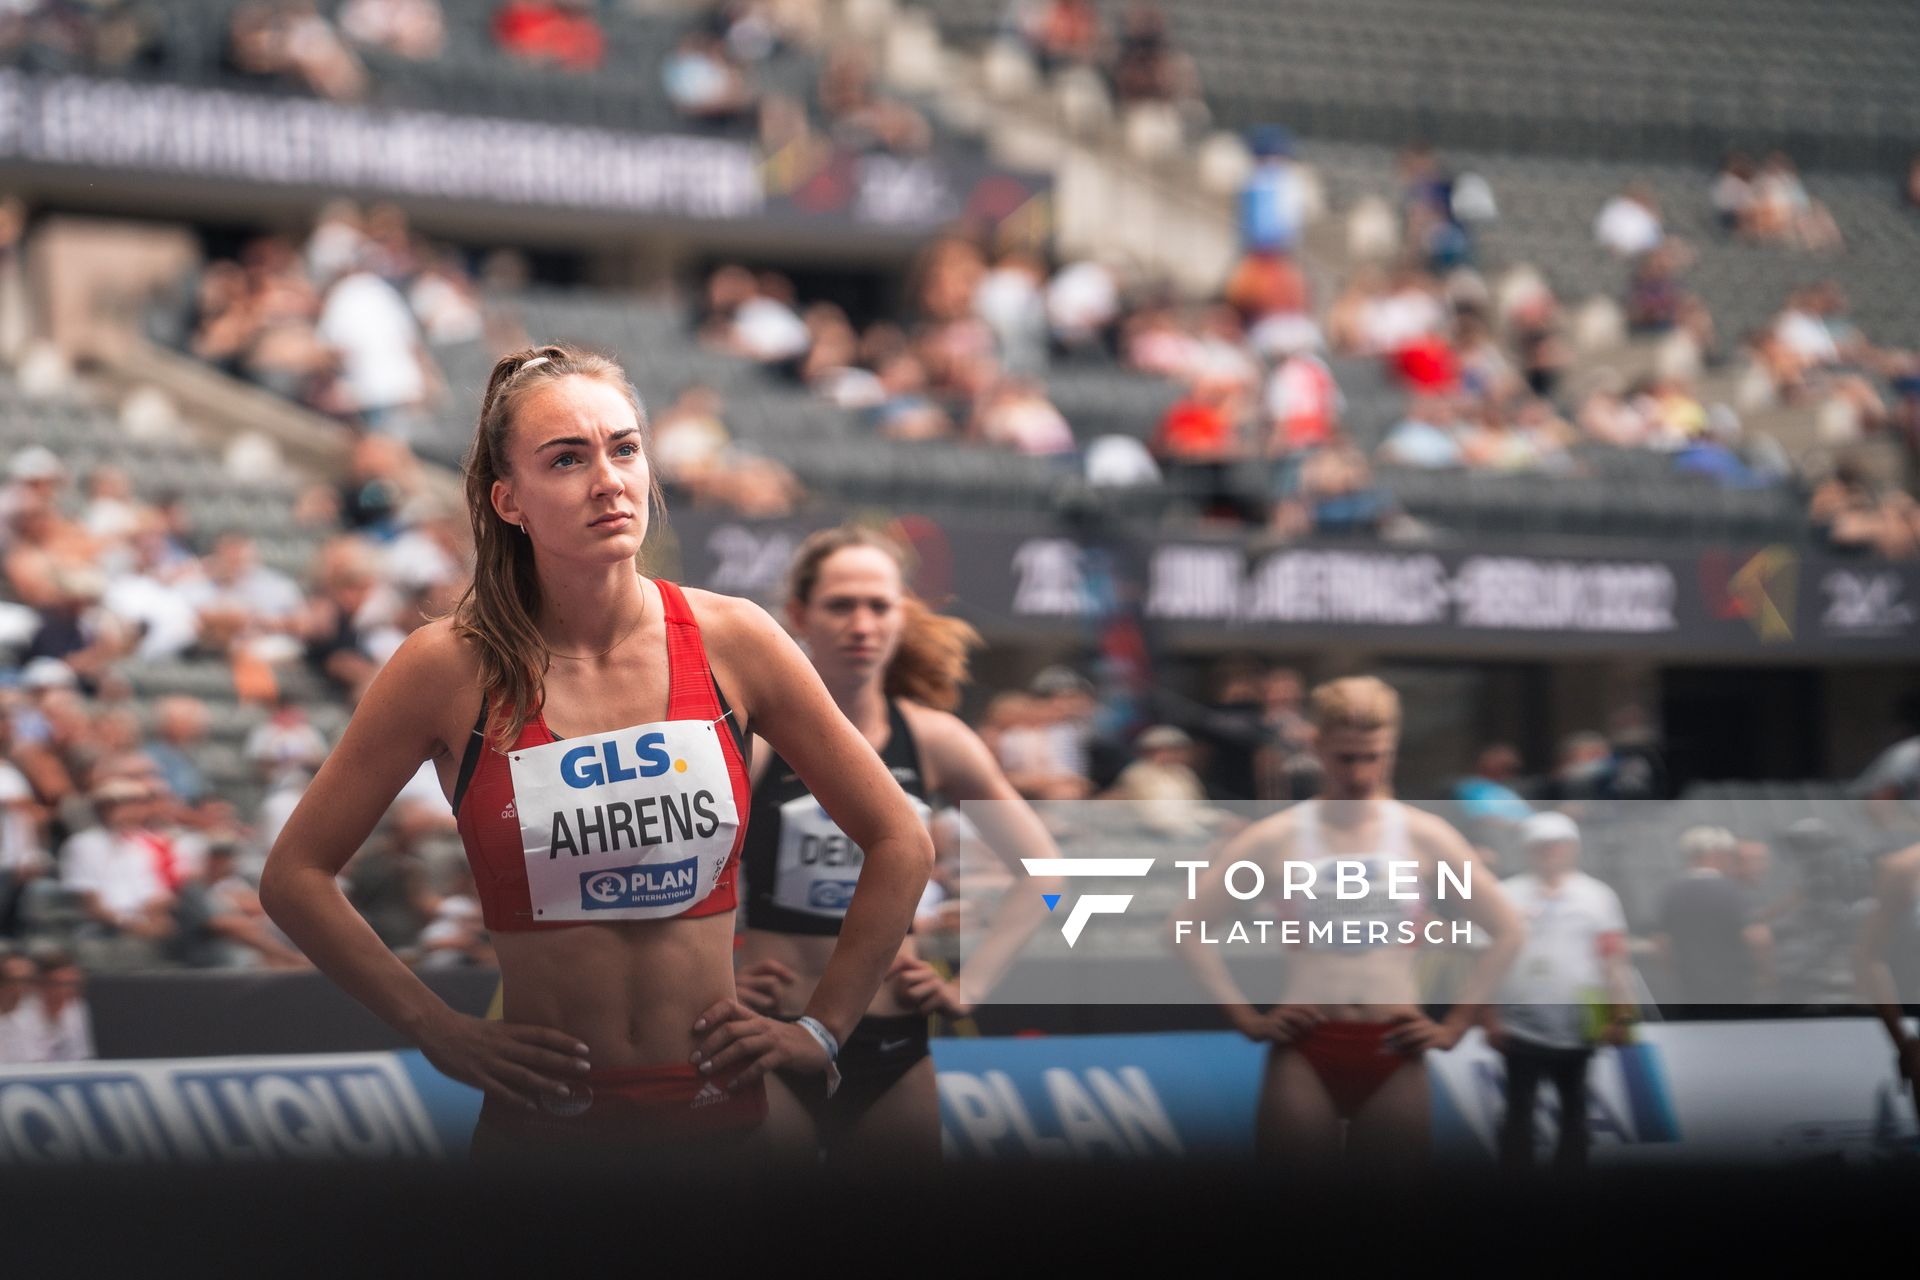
x: 963, y: 769
x: 792, y: 710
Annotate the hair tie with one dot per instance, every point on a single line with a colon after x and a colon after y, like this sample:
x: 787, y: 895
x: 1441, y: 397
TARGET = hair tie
x: 537, y: 360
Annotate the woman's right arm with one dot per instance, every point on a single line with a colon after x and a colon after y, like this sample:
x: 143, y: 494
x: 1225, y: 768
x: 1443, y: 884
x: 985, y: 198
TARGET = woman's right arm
x: 396, y: 726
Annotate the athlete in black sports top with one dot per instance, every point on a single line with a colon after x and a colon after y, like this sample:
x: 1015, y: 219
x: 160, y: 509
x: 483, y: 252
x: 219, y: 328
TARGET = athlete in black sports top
x: 800, y: 867
x: 800, y: 872
x: 892, y: 666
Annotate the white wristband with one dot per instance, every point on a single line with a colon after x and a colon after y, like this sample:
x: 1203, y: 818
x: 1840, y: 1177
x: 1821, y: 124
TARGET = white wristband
x: 818, y: 1030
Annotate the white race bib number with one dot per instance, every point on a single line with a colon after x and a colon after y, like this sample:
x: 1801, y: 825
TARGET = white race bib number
x: 818, y: 864
x: 635, y: 824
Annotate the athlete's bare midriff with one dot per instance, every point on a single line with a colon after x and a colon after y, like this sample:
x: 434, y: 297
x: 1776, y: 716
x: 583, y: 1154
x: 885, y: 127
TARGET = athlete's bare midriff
x: 807, y: 956
x: 630, y: 991
x: 1375, y: 984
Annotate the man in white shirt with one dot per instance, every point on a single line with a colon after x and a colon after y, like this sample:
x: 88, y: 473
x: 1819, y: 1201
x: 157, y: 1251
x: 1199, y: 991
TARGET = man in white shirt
x: 1628, y: 225
x: 114, y: 868
x: 1567, y: 988
x: 19, y: 1011
x: 57, y: 1026
x: 382, y: 367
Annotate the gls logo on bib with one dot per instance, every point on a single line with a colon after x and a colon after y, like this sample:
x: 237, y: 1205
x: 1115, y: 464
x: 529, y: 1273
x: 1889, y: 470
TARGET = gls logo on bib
x: 636, y: 824
x: 579, y: 767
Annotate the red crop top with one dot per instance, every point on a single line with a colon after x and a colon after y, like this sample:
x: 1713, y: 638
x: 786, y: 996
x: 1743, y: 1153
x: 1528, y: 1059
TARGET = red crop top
x: 641, y: 823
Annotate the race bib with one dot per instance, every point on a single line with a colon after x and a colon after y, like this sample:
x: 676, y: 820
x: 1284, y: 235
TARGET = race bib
x: 818, y: 864
x: 636, y: 824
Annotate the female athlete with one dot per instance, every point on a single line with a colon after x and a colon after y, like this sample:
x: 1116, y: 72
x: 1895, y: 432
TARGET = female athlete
x: 895, y: 668
x: 1348, y: 1037
x: 588, y: 725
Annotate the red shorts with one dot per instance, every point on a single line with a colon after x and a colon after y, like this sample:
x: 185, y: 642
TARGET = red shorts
x: 625, y: 1109
x: 1352, y: 1060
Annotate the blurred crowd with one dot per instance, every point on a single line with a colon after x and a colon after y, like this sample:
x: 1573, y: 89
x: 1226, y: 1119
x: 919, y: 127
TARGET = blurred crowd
x: 346, y: 322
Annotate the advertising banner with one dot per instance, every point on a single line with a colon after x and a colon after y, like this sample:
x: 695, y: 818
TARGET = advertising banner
x: 1751, y: 1092
x: 1034, y: 575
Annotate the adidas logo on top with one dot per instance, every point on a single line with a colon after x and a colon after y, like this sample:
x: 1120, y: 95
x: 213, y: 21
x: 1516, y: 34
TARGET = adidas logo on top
x: 709, y: 1094
x: 508, y: 812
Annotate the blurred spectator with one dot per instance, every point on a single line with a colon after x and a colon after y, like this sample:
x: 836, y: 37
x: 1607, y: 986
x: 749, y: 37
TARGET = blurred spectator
x: 1391, y: 314
x: 389, y: 884
x: 285, y: 750
x: 560, y: 32
x: 338, y: 242
x: 1045, y: 741
x: 703, y: 82
x: 1584, y: 769
x: 755, y: 317
x: 1534, y: 328
x: 1433, y: 226
x: 1229, y: 731
x: 1732, y: 195
x: 1203, y: 426
x: 23, y: 850
x: 906, y: 412
x: 1062, y: 33
x: 1488, y: 794
x: 220, y: 924
x: 1638, y: 770
x: 289, y: 41
x: 859, y: 117
x: 123, y: 873
x: 1010, y: 301
x: 50, y: 1021
x: 239, y: 598
x: 351, y: 603
x: 1162, y: 782
x: 445, y: 303
x: 1658, y: 302
x: 456, y: 935
x: 1713, y: 949
x: 142, y: 590
x: 1285, y: 767
x: 1017, y: 415
x: 385, y: 371
x: 382, y: 475
x: 411, y: 29
x: 1335, y: 496
x: 1854, y: 514
x: 1714, y: 453
x: 1566, y: 993
x: 180, y: 725
x: 694, y: 454
x: 1486, y: 373
x: 1083, y: 304
x: 1268, y: 285
x: 1894, y: 774
x: 1428, y: 437
x: 689, y: 437
x: 18, y: 977
x: 112, y: 514
x: 1783, y: 212
x: 1147, y: 66
x: 36, y: 479
x: 1303, y: 402
x: 1628, y: 225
